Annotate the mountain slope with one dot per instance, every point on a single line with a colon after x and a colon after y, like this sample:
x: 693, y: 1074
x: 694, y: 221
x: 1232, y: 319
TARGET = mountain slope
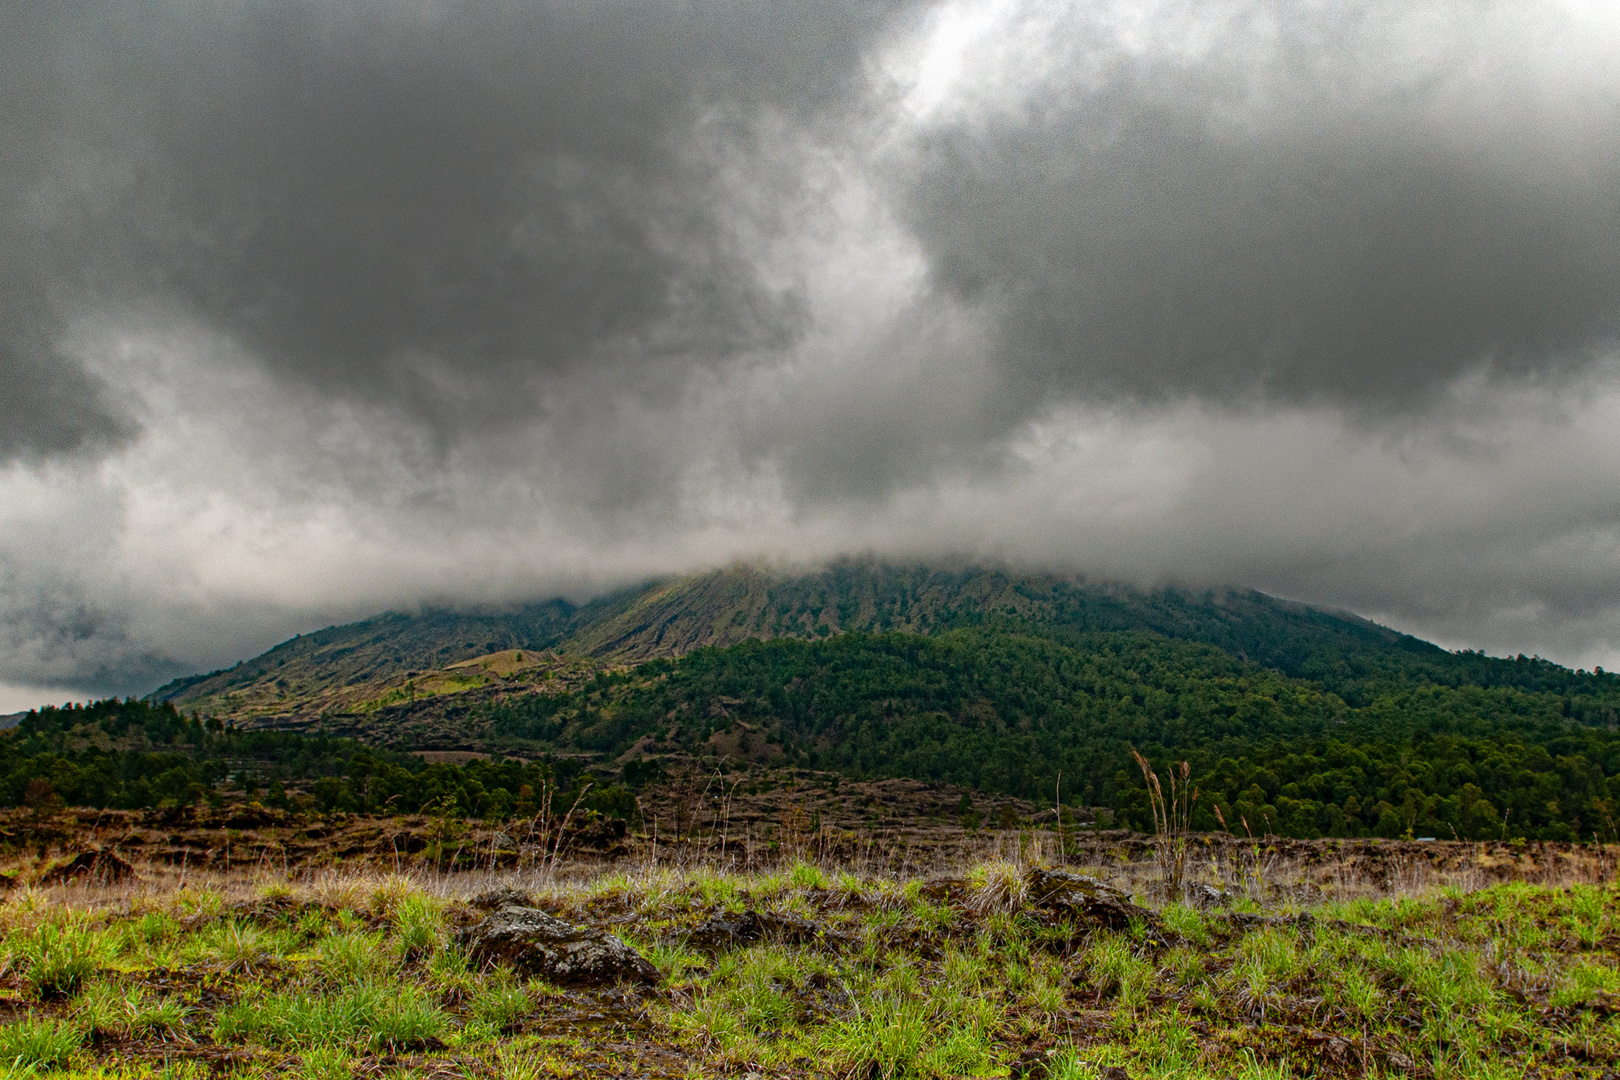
x: 341, y: 668
x: 376, y: 650
x: 728, y: 606
x: 1345, y: 653
x: 1010, y: 711
x: 1296, y: 720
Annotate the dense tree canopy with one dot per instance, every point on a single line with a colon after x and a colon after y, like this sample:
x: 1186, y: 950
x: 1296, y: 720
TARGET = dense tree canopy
x: 131, y: 755
x: 1338, y: 740
x: 1007, y: 710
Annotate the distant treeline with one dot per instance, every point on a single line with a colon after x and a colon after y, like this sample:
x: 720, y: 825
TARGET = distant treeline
x: 1527, y: 751
x: 130, y: 754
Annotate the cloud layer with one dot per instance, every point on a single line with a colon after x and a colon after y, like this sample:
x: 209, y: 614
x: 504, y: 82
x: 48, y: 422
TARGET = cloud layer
x: 318, y: 309
x: 1355, y: 207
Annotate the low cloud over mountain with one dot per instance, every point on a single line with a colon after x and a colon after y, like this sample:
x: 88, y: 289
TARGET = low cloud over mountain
x: 308, y: 310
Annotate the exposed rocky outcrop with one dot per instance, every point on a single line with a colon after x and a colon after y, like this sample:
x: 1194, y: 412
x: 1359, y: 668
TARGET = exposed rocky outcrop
x: 531, y: 942
x: 729, y: 931
x: 1203, y: 896
x: 1085, y: 899
x: 499, y: 896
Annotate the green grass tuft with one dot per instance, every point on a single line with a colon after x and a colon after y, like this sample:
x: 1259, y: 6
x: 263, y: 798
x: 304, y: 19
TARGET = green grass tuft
x: 56, y: 960
x: 368, y: 1015
x: 326, y: 1063
x: 418, y: 926
x: 353, y: 957
x: 39, y: 1043
x: 500, y: 1005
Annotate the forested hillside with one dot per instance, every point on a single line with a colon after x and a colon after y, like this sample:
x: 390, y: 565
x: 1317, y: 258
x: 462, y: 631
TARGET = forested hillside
x: 1346, y: 654
x: 1297, y: 721
x: 375, y: 649
x: 1005, y: 710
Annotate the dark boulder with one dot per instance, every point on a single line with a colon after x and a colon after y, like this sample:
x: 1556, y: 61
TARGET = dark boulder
x: 1203, y: 896
x: 531, y: 942
x: 730, y: 931
x: 499, y: 896
x: 1084, y: 899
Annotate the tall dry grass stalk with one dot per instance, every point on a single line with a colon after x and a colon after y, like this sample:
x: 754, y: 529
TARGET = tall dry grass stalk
x: 1172, y: 821
x: 993, y: 867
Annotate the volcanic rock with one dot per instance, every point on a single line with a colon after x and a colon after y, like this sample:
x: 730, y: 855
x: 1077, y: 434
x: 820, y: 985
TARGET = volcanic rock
x: 531, y: 942
x: 735, y: 931
x: 1202, y: 895
x: 1084, y: 898
x: 499, y: 896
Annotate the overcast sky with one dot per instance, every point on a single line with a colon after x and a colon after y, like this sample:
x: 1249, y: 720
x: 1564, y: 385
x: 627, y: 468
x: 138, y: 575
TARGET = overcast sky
x: 310, y: 310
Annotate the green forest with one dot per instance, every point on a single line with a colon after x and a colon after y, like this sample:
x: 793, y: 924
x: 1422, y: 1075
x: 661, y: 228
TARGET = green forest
x: 1423, y: 744
x: 1330, y: 737
x: 132, y: 754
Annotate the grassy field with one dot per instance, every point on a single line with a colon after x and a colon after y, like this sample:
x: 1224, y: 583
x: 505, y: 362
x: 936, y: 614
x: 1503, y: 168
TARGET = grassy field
x: 358, y: 975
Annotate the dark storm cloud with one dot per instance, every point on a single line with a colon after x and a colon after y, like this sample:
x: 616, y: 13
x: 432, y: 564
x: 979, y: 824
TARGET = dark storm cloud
x: 48, y: 403
x: 51, y: 406
x: 61, y: 635
x: 1292, y: 214
x: 312, y: 309
x: 440, y: 207
x: 380, y: 198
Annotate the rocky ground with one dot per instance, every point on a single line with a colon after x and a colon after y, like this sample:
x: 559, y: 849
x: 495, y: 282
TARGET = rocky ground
x: 879, y: 827
x: 997, y: 968
x: 773, y: 923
